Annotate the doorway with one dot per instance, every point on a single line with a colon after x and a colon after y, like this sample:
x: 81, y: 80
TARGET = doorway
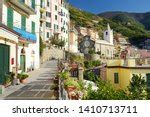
x: 4, y: 61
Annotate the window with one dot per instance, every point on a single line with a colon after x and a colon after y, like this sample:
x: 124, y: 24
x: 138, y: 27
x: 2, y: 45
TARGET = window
x: 48, y: 24
x: 33, y: 4
x: 9, y: 17
x: 55, y: 8
x: 33, y: 27
x: 48, y: 3
x: 55, y: 17
x: 116, y: 78
x: 47, y: 34
x: 48, y: 14
x: 23, y: 22
x: 106, y: 33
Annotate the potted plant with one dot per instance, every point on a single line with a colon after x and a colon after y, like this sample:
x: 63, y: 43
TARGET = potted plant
x: 71, y: 85
x: 64, y: 75
x: 23, y: 77
x: 7, y: 81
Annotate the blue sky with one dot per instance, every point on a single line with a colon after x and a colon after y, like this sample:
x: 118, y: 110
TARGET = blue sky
x: 99, y: 6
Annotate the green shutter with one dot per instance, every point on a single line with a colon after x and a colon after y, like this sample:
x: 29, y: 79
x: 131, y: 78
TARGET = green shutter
x: 116, y: 78
x: 33, y: 4
x: 23, y: 22
x: 9, y: 17
x: 33, y: 27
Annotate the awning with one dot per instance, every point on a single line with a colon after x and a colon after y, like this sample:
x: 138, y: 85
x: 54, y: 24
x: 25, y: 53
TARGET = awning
x: 26, y: 35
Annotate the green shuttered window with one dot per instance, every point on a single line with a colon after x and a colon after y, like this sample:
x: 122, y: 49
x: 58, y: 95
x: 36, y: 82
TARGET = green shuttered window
x: 33, y: 4
x: 33, y: 27
x: 116, y: 78
x: 23, y: 22
x: 10, y: 17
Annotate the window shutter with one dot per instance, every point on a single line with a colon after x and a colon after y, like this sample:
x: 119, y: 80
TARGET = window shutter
x: 9, y: 17
x: 33, y: 4
x: 116, y: 78
x: 23, y: 22
x: 33, y: 27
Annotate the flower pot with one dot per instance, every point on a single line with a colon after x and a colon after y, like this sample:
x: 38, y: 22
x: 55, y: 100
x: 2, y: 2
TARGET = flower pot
x: 7, y: 84
x: 23, y: 81
x: 70, y: 88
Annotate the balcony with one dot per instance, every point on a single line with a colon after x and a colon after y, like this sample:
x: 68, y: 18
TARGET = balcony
x: 22, y: 7
x: 43, y: 19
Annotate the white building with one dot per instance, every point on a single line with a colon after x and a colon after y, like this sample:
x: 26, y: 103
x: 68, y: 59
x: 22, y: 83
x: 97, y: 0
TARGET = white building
x: 73, y: 40
x: 20, y: 27
x: 106, y: 46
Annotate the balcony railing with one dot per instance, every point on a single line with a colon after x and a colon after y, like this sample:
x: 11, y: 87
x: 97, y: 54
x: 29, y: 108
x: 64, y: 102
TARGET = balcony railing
x: 22, y: 6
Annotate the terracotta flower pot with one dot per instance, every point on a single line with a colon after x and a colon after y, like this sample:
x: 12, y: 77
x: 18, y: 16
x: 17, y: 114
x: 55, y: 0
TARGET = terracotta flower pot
x: 70, y: 88
x: 23, y: 81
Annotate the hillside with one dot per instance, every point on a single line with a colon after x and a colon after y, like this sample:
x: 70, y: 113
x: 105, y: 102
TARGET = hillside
x: 120, y: 22
x: 143, y: 18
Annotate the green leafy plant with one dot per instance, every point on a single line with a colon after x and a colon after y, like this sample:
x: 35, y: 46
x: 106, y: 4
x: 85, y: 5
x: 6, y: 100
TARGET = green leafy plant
x: 81, y: 85
x: 22, y: 76
x: 90, y: 64
x: 137, y: 88
x: 64, y: 75
x: 71, y: 83
x: 105, y: 91
x: 7, y: 79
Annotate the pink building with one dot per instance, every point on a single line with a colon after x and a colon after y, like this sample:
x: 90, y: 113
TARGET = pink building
x: 56, y: 20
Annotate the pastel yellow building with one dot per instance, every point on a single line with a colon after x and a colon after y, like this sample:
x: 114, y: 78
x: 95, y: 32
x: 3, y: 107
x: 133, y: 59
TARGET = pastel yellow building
x: 119, y: 72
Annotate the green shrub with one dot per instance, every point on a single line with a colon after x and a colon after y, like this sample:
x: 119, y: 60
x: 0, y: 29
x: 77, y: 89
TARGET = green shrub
x: 64, y: 75
x: 71, y: 82
x: 7, y: 78
x: 90, y: 64
x: 22, y: 76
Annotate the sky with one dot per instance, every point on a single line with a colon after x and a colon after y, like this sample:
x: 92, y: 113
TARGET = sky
x: 100, y: 6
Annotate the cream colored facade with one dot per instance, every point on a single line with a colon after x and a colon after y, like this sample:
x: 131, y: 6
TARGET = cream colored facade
x: 10, y: 39
x: 125, y: 71
x: 73, y: 40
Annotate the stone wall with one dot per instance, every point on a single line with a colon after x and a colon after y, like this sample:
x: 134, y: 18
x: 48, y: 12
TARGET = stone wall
x: 49, y: 53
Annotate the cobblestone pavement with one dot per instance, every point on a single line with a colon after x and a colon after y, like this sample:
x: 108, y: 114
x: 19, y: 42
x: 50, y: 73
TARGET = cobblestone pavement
x: 38, y: 87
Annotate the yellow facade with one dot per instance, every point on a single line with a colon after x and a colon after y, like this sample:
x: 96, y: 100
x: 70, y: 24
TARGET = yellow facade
x: 125, y: 72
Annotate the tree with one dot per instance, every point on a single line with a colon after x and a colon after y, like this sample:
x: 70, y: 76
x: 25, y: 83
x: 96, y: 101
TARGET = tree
x: 57, y: 42
x: 137, y: 88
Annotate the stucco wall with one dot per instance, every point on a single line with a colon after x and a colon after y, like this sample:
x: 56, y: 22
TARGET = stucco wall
x: 125, y: 75
x: 52, y: 52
